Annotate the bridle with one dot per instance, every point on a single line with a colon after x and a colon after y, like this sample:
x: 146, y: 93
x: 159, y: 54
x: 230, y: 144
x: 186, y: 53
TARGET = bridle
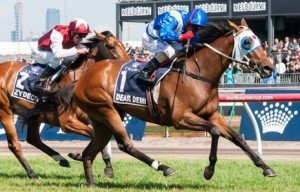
x: 239, y: 52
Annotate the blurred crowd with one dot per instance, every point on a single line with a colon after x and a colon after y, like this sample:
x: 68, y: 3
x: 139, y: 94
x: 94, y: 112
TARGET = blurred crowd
x: 139, y: 53
x: 286, y: 55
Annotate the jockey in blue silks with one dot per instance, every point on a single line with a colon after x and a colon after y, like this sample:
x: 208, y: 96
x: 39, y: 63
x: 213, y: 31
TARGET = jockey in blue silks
x: 168, y: 33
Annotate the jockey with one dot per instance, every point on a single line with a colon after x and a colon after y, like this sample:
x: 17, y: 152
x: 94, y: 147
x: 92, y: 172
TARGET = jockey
x: 60, y: 43
x: 168, y: 33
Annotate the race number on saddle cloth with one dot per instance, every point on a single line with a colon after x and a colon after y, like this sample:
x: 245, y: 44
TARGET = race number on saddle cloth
x: 129, y: 90
x: 22, y: 88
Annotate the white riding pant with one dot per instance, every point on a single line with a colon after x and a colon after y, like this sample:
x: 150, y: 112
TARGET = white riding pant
x: 47, y: 57
x: 155, y: 45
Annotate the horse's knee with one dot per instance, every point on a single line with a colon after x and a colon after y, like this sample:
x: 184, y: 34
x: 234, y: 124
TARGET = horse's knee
x: 125, y: 147
x: 14, y: 147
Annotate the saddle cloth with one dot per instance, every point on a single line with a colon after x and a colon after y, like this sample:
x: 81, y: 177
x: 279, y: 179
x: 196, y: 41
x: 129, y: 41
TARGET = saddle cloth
x: 22, y: 88
x: 129, y: 90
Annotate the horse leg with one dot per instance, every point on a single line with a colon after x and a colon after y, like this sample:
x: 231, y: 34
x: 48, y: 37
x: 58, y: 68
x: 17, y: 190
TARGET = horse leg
x: 98, y: 142
x: 81, y: 126
x: 106, y: 156
x: 33, y: 138
x: 228, y: 133
x: 7, y: 120
x: 113, y: 121
x: 191, y: 121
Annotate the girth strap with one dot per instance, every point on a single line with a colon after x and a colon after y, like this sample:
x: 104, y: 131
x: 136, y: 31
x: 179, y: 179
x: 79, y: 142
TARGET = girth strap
x: 194, y: 76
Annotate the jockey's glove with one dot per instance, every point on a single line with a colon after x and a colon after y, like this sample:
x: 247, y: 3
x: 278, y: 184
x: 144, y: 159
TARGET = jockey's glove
x: 186, y: 36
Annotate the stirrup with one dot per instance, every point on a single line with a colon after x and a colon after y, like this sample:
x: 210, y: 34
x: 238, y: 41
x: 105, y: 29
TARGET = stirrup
x: 143, y: 77
x: 40, y: 86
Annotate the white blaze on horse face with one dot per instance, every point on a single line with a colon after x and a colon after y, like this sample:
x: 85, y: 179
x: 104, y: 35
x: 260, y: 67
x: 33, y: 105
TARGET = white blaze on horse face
x: 245, y: 42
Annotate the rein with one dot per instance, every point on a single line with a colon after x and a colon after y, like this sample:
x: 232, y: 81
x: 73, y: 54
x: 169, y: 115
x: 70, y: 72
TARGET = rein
x: 226, y: 56
x: 235, y: 57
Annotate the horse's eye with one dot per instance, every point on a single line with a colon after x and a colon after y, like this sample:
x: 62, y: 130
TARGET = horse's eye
x: 247, y: 43
x: 111, y: 46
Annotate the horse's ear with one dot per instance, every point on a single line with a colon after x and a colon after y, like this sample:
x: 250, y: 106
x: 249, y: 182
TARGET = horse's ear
x: 99, y: 35
x: 233, y: 26
x: 244, y: 23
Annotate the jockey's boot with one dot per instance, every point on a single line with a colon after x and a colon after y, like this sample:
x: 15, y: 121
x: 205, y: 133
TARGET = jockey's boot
x: 147, y: 71
x: 39, y: 84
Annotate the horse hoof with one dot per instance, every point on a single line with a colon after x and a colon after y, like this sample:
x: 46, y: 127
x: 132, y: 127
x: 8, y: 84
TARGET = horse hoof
x: 208, y: 173
x: 33, y: 176
x: 269, y: 173
x: 109, y: 172
x: 75, y: 156
x: 64, y: 163
x: 169, y: 172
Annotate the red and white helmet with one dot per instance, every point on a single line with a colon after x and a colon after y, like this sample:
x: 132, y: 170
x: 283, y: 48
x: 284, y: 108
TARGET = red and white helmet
x: 79, y: 25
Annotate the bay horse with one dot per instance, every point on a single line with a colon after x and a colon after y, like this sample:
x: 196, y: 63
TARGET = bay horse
x: 72, y: 120
x: 191, y: 104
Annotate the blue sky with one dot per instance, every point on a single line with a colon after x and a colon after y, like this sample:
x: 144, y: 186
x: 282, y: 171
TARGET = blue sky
x: 100, y: 14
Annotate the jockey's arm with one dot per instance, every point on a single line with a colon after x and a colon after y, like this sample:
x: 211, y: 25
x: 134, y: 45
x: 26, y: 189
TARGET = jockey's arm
x: 167, y: 30
x: 57, y: 47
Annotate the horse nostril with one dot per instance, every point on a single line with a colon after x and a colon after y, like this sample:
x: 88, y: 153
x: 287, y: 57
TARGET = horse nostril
x: 267, y: 68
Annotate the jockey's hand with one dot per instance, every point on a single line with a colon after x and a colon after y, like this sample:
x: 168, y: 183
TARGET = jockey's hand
x: 186, y: 36
x: 82, y: 51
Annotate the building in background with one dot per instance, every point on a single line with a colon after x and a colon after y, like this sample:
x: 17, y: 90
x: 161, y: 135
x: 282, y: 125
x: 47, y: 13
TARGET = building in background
x: 17, y: 34
x: 52, y: 18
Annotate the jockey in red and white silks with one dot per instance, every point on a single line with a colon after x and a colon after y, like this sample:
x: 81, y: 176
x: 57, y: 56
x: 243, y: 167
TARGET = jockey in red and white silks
x: 60, y: 43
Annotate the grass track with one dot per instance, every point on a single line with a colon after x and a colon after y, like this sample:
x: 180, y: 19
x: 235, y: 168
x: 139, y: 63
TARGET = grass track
x: 131, y: 175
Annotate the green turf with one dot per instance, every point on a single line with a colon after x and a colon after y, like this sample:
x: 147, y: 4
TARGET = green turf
x: 131, y: 175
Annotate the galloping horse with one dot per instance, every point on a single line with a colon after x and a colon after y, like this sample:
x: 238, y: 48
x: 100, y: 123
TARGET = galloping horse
x: 73, y: 120
x: 191, y: 104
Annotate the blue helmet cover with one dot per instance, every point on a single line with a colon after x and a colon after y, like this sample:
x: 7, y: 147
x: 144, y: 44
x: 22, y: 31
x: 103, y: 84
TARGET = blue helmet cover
x: 198, y: 17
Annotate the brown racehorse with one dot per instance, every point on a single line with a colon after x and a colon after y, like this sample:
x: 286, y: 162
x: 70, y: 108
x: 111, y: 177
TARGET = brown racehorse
x: 191, y: 104
x: 73, y: 120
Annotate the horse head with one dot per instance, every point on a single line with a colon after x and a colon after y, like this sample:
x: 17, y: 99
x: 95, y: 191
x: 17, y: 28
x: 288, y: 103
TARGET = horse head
x: 248, y: 47
x: 102, y: 46
x: 227, y: 44
x: 114, y: 48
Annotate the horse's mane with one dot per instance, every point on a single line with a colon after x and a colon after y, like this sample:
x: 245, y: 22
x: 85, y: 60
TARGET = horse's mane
x: 90, y: 44
x: 212, y: 32
x: 208, y: 34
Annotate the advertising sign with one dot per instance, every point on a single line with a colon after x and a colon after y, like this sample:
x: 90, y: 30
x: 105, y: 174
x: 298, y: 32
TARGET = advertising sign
x: 214, y: 7
x: 136, y: 12
x: 135, y: 129
x: 168, y: 6
x: 277, y: 121
x: 242, y: 8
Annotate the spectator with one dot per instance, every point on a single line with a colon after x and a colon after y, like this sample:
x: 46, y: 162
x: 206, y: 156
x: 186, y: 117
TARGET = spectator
x: 286, y: 44
x: 280, y: 67
x: 293, y: 46
x: 276, y: 45
x: 229, y: 76
x: 287, y: 59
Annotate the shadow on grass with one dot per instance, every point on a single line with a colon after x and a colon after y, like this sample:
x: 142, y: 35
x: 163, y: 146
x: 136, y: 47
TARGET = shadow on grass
x: 41, y: 176
x: 101, y: 182
x: 149, y: 185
